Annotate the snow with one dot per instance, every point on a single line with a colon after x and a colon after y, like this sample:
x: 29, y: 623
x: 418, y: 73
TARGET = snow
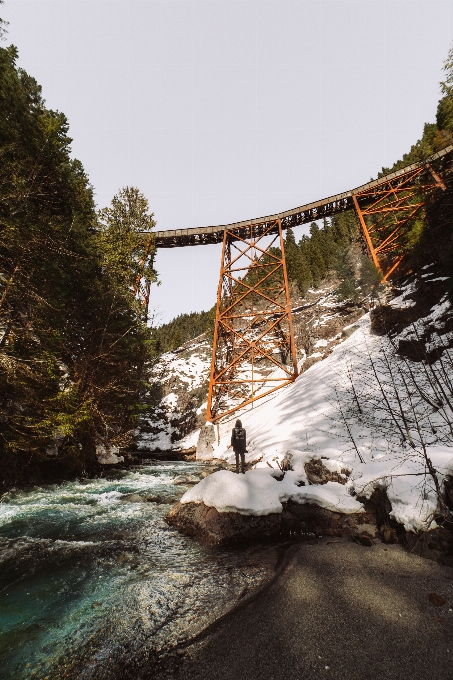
x: 413, y: 497
x: 178, y: 375
x: 258, y: 492
x: 317, y: 416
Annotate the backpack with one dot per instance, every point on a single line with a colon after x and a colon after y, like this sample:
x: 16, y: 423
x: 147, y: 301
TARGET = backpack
x: 239, y: 434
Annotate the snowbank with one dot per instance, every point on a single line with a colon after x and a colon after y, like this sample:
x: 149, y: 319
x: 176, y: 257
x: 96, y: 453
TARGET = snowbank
x: 411, y: 492
x: 259, y: 492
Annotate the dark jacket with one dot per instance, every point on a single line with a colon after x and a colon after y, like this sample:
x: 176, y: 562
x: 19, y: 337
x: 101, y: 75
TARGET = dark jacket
x: 238, y: 438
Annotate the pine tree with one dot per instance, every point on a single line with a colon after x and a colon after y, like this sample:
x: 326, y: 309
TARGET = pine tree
x: 72, y: 340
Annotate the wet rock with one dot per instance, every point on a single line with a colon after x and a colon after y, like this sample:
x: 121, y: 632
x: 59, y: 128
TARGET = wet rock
x: 131, y: 498
x: 186, y: 479
x: 222, y: 528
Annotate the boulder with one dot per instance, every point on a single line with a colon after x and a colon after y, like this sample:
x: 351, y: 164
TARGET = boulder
x: 222, y: 528
x: 131, y: 498
x: 228, y: 528
x: 322, y: 522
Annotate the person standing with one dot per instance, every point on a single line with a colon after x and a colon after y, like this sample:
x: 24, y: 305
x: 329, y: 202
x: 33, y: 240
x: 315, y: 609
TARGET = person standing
x: 238, y: 442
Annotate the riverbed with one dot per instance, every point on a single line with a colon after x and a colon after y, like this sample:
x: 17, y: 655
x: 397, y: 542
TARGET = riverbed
x: 94, y: 584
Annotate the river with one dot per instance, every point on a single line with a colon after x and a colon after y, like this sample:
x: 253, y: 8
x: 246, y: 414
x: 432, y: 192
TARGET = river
x: 94, y: 584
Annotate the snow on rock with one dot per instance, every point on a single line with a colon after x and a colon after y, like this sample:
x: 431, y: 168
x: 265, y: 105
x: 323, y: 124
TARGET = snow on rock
x: 258, y: 492
x: 108, y: 455
x: 411, y: 493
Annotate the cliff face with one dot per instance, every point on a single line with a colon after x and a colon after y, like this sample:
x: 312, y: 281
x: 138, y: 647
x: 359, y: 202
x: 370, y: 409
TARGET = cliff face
x: 177, y: 395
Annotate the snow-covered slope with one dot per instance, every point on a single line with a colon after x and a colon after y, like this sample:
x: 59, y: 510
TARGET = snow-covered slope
x: 383, y: 416
x: 179, y: 380
x: 178, y: 388
x: 375, y: 395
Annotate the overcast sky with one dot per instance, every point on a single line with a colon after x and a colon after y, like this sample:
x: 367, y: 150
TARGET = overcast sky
x: 223, y: 110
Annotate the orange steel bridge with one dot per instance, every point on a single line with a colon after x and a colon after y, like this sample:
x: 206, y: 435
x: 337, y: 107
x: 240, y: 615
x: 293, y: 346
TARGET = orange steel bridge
x: 254, y: 351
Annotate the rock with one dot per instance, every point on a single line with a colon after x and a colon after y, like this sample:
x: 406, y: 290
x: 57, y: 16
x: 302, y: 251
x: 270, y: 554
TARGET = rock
x: 436, y: 544
x: 206, y: 438
x: 377, y: 509
x: 436, y: 600
x: 131, y: 498
x: 365, y: 539
x: 346, y: 332
x: 107, y: 455
x: 448, y: 487
x: 186, y: 479
x: 388, y: 534
x: 317, y: 473
x: 222, y: 528
x: 321, y: 521
x: 365, y: 528
x: 215, y: 529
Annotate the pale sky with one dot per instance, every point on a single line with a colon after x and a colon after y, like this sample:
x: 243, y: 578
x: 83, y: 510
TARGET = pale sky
x: 223, y: 110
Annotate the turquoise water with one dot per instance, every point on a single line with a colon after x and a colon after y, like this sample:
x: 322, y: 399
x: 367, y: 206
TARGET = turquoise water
x: 93, y: 585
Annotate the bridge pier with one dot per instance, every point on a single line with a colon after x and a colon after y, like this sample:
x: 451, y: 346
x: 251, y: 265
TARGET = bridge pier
x: 254, y: 351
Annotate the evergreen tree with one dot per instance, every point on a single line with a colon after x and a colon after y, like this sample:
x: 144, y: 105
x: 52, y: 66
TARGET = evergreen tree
x: 444, y: 116
x: 124, y: 234
x: 296, y: 264
x: 72, y: 341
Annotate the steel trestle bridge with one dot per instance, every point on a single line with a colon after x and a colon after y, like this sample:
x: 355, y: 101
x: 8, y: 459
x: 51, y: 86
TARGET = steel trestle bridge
x: 254, y: 350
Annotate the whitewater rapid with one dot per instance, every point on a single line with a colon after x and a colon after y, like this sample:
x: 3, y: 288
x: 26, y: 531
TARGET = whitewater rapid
x: 94, y: 585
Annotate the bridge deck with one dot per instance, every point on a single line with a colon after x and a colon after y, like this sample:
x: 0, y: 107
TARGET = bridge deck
x: 290, y: 218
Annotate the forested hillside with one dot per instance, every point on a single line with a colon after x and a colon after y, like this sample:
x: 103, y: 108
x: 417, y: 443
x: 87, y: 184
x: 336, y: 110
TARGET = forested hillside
x: 72, y: 335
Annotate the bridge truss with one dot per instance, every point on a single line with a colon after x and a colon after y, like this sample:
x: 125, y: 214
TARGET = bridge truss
x: 389, y: 214
x: 254, y: 350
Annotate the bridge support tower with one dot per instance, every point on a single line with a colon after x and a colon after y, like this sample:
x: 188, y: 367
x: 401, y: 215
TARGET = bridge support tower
x: 254, y: 352
x: 390, y: 214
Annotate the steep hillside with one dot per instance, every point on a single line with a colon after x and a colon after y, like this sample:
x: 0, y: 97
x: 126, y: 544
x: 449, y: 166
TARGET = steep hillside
x: 379, y: 406
x: 179, y: 380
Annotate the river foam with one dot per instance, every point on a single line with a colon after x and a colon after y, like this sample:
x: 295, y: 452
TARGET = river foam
x: 93, y: 584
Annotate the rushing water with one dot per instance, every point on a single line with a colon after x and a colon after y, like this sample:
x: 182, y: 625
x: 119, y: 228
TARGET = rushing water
x: 96, y: 585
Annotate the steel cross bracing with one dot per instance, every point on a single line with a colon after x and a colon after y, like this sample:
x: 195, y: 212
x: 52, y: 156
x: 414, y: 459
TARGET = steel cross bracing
x: 388, y: 215
x: 253, y: 352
